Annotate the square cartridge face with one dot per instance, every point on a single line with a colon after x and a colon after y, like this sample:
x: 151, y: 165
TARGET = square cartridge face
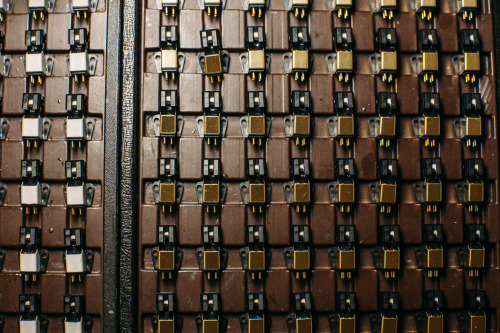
x: 430, y: 61
x: 256, y: 325
x: 472, y: 62
x: 473, y: 126
x: 345, y: 126
x: 434, y: 324
x: 303, y: 325
x: 301, y: 125
x: 433, y: 192
x: 301, y: 260
x: 347, y: 324
x: 300, y: 60
x: 166, y: 326
x: 213, y: 64
x: 256, y: 125
x: 301, y: 192
x: 432, y: 126
x: 388, y: 61
x: 257, y: 193
x: 257, y: 260
x: 256, y: 60
x: 210, y: 326
x: 434, y: 258
x: 167, y: 193
x: 388, y: 193
x: 344, y: 61
x: 211, y: 125
x: 347, y: 259
x: 210, y: 193
x: 211, y: 260
x: 346, y: 193
x: 169, y: 60
x: 168, y: 124
x: 387, y: 126
x: 166, y: 260
x: 391, y: 259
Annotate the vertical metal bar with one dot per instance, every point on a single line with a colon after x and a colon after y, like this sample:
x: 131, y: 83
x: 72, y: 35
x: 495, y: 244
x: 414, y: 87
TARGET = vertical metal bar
x: 128, y: 177
x: 110, y: 322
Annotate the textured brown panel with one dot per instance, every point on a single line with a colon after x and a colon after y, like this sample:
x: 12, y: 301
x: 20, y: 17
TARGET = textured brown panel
x: 365, y: 158
x: 277, y: 225
x: 233, y: 225
x: 190, y: 158
x: 14, y: 39
x: 93, y: 294
x: 277, y: 30
x: 277, y: 94
x: 148, y: 290
x: 410, y: 221
x: 53, y: 162
x: 449, y: 94
x: 362, y: 25
x: 52, y: 298
x: 190, y: 224
x: 278, y: 291
x: 233, y: 29
x: 322, y: 93
x: 189, y: 287
x: 366, y: 287
x: 366, y: 226
x: 152, y: 29
x: 10, y: 301
x: 451, y: 157
x: 233, y: 99
x: 57, y: 24
x: 192, y: 102
x: 323, y: 224
x: 150, y: 157
x: 409, y: 158
x: 190, y: 23
x: 98, y: 24
x: 320, y: 30
x: 446, y: 25
x: 13, y: 95
x: 277, y: 158
x: 53, y: 225
x: 407, y: 94
x: 410, y: 289
x: 364, y: 90
x: 452, y: 284
x: 323, y: 289
x: 406, y: 29
x: 233, y: 291
x: 94, y: 227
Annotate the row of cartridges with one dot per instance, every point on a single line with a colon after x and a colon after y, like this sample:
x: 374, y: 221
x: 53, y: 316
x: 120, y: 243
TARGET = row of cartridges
x: 299, y: 257
x: 467, y: 9
x: 38, y: 64
x: 299, y: 125
x: 34, y: 193
x: 214, y: 61
x: 212, y: 259
x: 299, y: 191
x: 256, y: 125
x: 302, y: 320
x: 32, y: 320
x: 39, y: 9
x: 211, y: 319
